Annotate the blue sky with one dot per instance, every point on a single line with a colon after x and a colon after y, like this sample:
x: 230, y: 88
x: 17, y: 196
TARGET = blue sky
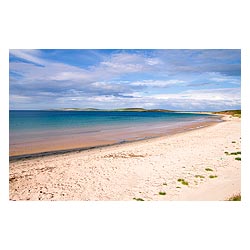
x: 191, y: 80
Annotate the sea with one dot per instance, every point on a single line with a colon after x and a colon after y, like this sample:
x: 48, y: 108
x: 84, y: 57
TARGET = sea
x: 34, y: 132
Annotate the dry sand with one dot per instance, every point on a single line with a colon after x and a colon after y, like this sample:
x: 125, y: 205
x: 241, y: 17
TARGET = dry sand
x: 139, y: 169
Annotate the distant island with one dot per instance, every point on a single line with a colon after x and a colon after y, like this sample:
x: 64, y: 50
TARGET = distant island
x: 119, y: 109
x: 235, y: 113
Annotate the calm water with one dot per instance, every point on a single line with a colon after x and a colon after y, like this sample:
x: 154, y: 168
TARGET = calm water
x: 21, y: 121
x: 48, y: 130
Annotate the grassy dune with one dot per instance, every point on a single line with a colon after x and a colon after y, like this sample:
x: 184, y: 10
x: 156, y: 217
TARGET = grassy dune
x: 235, y: 198
x: 234, y: 113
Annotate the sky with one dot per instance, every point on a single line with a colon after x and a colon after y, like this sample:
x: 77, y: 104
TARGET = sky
x: 185, y: 80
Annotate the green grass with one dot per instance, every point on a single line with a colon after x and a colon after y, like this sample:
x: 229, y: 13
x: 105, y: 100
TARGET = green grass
x: 138, y: 199
x: 178, y: 187
x: 213, y: 176
x: 162, y: 193
x: 165, y: 184
x: 209, y: 169
x: 183, y: 182
x: 199, y: 176
x: 233, y: 153
x: 235, y: 198
x: 235, y: 113
x: 238, y: 158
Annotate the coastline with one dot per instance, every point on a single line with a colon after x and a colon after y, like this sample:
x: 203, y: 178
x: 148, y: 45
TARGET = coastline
x: 138, y: 169
x: 62, y: 146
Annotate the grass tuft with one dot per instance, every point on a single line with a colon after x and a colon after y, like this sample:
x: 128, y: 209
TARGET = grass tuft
x: 233, y: 141
x: 213, y: 176
x: 138, y: 199
x: 162, y: 193
x: 209, y: 169
x: 165, y: 184
x: 180, y: 180
x: 183, y: 182
x: 199, y: 176
x: 233, y: 153
x: 235, y: 198
x: 238, y: 158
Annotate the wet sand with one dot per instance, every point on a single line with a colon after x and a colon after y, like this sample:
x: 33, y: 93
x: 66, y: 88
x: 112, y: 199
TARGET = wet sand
x: 174, y: 167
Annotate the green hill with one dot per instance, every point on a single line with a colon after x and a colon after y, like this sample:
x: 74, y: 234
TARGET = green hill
x: 159, y: 110
x: 120, y: 109
x: 131, y: 109
x: 143, y: 110
x: 75, y: 109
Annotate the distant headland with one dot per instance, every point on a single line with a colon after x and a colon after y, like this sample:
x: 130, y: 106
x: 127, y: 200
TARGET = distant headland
x: 235, y: 113
x: 119, y: 109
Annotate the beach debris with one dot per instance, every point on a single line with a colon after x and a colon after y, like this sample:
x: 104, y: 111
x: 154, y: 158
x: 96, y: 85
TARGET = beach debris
x: 131, y: 155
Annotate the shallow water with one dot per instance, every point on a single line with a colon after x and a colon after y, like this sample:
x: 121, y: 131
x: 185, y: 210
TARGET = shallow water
x: 43, y: 131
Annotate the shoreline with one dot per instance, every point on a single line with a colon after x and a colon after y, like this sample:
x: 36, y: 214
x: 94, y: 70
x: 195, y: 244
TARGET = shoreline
x: 184, y: 129
x: 192, y: 165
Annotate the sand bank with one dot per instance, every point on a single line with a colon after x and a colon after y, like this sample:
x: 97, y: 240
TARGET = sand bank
x: 178, y: 166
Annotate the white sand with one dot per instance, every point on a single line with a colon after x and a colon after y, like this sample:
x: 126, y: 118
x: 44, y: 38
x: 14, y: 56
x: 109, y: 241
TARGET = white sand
x: 138, y: 169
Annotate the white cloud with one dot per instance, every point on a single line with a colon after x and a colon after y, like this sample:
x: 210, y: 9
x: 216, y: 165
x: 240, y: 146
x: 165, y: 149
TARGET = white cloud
x: 103, y: 84
x: 28, y: 55
x: 20, y: 98
x: 208, y: 99
x: 227, y: 79
x: 122, y: 63
x: 153, y: 61
x: 68, y: 75
x: 107, y: 69
x: 156, y: 83
x: 205, y: 94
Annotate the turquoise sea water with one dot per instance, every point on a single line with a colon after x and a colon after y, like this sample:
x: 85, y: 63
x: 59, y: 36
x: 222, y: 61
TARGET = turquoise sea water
x: 53, y: 120
x: 31, y: 129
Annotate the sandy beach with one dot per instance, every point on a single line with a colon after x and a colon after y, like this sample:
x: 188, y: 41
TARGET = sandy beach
x: 190, y: 166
